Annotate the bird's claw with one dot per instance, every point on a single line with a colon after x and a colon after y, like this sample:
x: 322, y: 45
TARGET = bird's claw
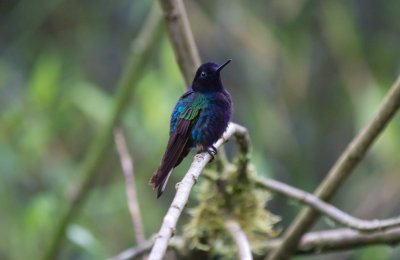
x: 212, y: 151
x: 212, y: 147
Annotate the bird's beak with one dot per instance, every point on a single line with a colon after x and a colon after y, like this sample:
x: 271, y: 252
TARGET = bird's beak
x: 223, y: 65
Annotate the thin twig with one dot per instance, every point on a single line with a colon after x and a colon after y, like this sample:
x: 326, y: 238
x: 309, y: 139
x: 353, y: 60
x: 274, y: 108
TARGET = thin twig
x: 182, y: 194
x: 327, y: 209
x: 175, y: 243
x: 127, y: 168
x: 339, y: 240
x: 181, y: 38
x: 311, y: 243
x: 134, y: 252
x: 340, y: 171
x: 240, y: 239
x: 142, y: 48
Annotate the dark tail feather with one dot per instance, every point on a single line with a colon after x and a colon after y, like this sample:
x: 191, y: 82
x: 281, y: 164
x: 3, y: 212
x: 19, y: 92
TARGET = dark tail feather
x: 173, y: 154
x: 159, y: 180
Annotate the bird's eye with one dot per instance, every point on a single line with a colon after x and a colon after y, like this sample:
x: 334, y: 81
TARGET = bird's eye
x: 203, y: 74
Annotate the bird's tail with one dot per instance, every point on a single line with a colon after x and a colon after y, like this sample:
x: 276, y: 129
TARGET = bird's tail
x: 173, y: 156
x: 159, y: 180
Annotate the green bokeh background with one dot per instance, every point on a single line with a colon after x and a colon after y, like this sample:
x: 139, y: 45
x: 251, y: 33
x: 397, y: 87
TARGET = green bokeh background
x: 306, y: 76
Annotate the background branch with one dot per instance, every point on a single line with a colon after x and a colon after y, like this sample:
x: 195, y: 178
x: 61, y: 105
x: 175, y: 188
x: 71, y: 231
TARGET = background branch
x: 340, y: 239
x: 182, y: 195
x: 134, y: 252
x: 240, y: 239
x: 311, y: 243
x: 327, y: 209
x: 142, y: 48
x: 138, y: 251
x: 127, y: 169
x: 181, y: 38
x: 340, y: 171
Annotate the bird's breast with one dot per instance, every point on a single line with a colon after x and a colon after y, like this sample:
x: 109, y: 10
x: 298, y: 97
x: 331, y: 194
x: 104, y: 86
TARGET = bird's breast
x: 213, y: 120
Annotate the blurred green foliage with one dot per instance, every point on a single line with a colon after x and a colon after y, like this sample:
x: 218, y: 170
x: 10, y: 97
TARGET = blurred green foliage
x: 306, y: 76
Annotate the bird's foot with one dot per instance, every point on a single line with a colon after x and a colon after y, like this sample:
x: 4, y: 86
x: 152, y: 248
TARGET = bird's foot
x: 212, y: 151
x: 212, y: 147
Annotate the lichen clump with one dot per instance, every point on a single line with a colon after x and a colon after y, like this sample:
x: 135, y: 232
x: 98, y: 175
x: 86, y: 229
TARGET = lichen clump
x: 222, y: 196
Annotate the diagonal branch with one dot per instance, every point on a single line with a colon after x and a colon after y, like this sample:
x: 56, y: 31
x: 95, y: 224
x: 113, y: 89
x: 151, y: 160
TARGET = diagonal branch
x: 127, y: 168
x: 240, y: 239
x: 182, y: 194
x: 340, y: 171
x: 181, y: 38
x: 322, y: 207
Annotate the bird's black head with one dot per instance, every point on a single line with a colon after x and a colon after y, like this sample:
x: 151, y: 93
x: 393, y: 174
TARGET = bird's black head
x: 208, y: 77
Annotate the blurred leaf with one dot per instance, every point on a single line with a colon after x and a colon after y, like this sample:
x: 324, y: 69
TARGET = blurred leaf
x: 85, y: 239
x: 10, y: 165
x: 374, y: 252
x: 93, y: 102
x: 45, y: 79
x: 340, y: 28
x: 169, y: 68
x: 80, y: 236
x: 154, y: 104
x: 40, y: 213
x: 35, y: 135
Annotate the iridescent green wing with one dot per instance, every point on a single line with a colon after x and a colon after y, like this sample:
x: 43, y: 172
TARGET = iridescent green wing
x: 187, y: 108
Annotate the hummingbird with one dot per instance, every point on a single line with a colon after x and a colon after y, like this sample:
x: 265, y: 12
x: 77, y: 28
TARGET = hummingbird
x: 198, y: 120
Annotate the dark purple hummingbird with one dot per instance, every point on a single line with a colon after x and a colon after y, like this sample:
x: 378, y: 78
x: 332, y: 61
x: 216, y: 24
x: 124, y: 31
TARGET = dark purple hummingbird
x: 199, y: 119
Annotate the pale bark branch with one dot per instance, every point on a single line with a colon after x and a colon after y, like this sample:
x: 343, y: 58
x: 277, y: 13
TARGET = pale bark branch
x: 327, y: 209
x: 181, y: 38
x: 127, y: 169
x: 240, y: 239
x: 182, y: 194
x: 340, y: 171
